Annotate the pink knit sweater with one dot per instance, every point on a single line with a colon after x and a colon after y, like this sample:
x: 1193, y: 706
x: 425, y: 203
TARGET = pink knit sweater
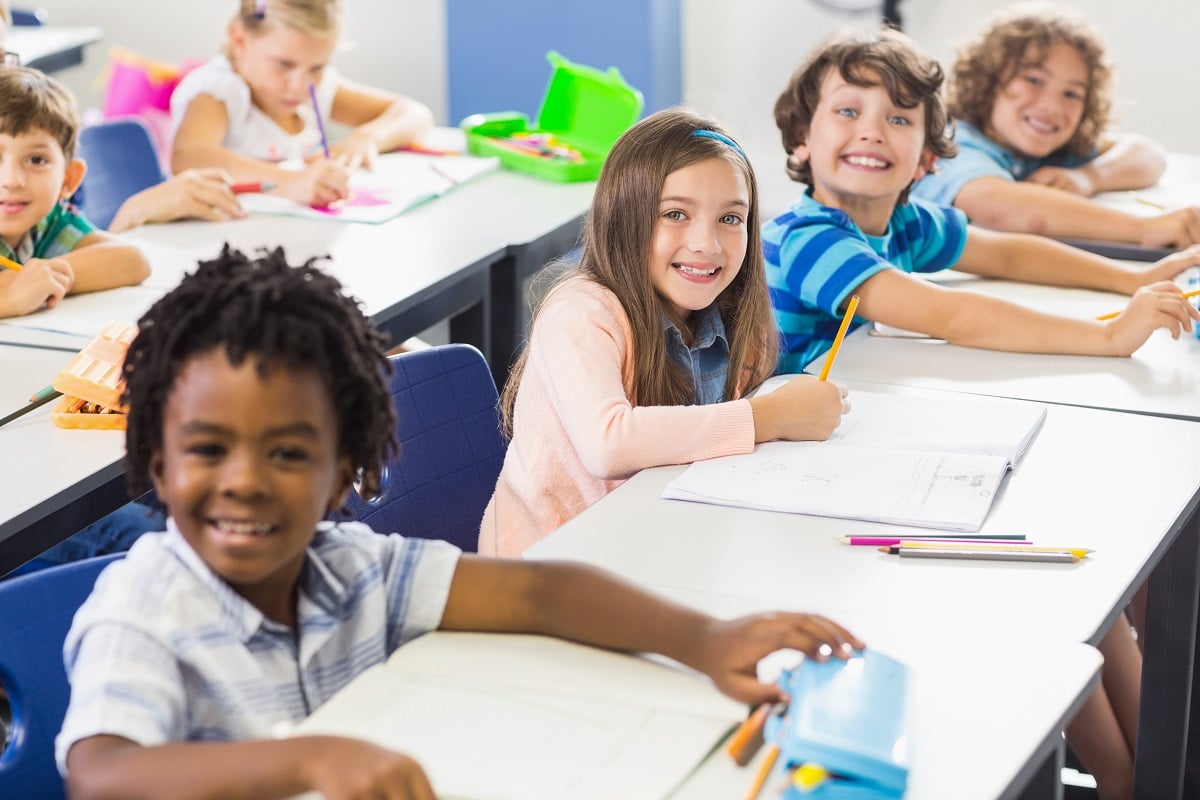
x: 576, y: 436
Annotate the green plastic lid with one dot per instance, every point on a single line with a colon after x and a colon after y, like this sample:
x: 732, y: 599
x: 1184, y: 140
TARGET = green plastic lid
x: 587, y: 106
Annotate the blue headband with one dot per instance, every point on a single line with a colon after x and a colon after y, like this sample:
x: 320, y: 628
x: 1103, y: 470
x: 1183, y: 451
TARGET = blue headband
x: 720, y: 137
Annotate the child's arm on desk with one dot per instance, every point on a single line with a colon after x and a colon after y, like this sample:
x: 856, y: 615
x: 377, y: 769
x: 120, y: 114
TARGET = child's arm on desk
x: 382, y: 121
x: 103, y: 261
x: 584, y: 604
x: 102, y: 767
x: 1029, y: 208
x: 976, y: 320
x: 1126, y: 161
x: 1036, y: 259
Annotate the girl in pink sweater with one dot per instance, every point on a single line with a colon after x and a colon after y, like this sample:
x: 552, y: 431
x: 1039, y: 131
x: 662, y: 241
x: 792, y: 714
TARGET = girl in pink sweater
x: 643, y: 355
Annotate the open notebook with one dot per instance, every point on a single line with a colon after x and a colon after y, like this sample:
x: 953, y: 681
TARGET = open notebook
x: 897, y: 459
x: 492, y: 716
x: 399, y: 182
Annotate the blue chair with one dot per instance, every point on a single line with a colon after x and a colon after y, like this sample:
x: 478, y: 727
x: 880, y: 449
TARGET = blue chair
x: 29, y: 16
x: 121, y: 162
x: 35, y: 614
x: 451, y: 448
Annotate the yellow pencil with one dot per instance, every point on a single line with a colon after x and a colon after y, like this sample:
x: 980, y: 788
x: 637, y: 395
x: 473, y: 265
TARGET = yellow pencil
x: 1146, y: 201
x: 8, y: 262
x: 1078, y: 552
x: 841, y: 334
x: 1116, y: 314
x: 763, y: 772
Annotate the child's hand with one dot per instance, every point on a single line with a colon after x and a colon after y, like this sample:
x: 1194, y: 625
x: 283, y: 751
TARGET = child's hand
x: 1176, y: 229
x: 731, y: 649
x: 1160, y: 305
x: 351, y: 769
x: 192, y: 194
x: 322, y: 182
x: 42, y: 282
x: 356, y: 150
x: 803, y: 409
x: 1075, y: 181
x: 1167, y: 268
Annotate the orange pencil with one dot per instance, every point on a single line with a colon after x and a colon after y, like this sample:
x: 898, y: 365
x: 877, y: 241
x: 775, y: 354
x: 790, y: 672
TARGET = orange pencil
x: 1115, y: 314
x: 746, y: 740
x: 8, y: 262
x: 763, y: 772
x: 841, y: 334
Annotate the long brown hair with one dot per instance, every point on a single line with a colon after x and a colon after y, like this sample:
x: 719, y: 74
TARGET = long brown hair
x: 1019, y: 37
x: 617, y: 239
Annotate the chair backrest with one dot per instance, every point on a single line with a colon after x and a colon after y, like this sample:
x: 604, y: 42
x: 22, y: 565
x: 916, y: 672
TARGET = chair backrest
x: 121, y: 162
x: 29, y: 16
x: 451, y: 448
x: 35, y: 614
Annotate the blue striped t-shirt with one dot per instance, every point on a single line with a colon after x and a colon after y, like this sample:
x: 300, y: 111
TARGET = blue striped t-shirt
x: 817, y: 256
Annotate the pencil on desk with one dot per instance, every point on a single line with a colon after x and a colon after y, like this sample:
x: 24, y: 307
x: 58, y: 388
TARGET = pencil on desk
x: 8, y: 262
x: 761, y: 776
x: 252, y: 187
x: 1080, y: 552
x: 36, y: 401
x: 841, y: 334
x: 1146, y: 201
x: 1004, y: 539
x: 426, y: 151
x: 982, y: 555
x: 746, y: 740
x: 1115, y: 314
x: 312, y: 94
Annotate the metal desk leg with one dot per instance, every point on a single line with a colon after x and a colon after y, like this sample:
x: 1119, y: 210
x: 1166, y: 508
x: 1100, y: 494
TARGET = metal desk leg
x: 1164, y: 744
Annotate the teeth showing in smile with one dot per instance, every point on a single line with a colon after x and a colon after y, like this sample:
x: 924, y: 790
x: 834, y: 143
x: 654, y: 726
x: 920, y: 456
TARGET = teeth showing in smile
x: 244, y: 528
x: 700, y: 273
x: 866, y: 161
x: 1040, y: 126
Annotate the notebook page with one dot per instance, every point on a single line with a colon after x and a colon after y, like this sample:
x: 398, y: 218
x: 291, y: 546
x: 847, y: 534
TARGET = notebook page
x: 493, y: 716
x: 905, y: 487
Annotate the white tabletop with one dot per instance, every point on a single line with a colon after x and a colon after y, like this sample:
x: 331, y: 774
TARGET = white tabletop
x: 36, y: 42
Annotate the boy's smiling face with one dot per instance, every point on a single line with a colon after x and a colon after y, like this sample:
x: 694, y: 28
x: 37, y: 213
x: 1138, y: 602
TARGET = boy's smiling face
x: 1039, y: 110
x: 249, y: 465
x: 863, y: 148
x: 34, y: 176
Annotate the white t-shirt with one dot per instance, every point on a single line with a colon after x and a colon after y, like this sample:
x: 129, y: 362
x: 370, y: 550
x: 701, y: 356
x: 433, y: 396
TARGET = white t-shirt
x: 251, y: 132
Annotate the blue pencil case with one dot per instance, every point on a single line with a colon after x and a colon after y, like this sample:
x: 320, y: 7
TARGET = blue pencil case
x: 844, y: 736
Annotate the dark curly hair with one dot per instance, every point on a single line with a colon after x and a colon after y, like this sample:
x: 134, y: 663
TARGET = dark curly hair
x: 862, y: 58
x: 278, y: 314
x: 1021, y: 36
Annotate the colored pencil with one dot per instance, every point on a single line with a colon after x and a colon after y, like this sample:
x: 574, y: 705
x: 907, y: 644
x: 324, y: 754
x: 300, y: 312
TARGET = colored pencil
x: 8, y: 262
x: 426, y: 151
x: 983, y: 555
x: 1014, y: 539
x: 312, y: 93
x: 1115, y: 314
x: 252, y: 187
x: 1081, y: 552
x: 761, y: 776
x: 36, y: 401
x: 841, y: 334
x: 746, y: 740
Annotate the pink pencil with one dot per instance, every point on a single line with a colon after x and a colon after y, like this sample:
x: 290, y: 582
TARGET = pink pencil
x: 895, y: 540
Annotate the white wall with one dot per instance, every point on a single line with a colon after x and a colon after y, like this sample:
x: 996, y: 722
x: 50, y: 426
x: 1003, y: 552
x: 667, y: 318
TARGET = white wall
x: 737, y: 57
x: 393, y: 44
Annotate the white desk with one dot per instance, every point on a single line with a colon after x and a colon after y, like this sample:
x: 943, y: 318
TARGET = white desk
x: 1125, y: 485
x: 50, y: 47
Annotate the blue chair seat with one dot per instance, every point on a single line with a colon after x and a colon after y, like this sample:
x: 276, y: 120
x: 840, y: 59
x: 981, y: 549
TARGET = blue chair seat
x: 121, y: 162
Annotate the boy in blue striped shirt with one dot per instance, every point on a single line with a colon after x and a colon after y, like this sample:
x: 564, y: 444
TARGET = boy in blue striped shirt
x: 863, y: 119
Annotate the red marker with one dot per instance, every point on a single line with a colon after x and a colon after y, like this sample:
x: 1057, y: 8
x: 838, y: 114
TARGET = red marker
x: 252, y: 187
